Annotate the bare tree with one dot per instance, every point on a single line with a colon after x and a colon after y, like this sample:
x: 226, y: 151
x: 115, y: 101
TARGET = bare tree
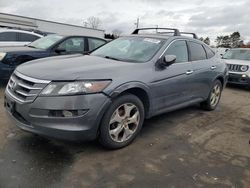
x: 94, y: 22
x: 116, y: 33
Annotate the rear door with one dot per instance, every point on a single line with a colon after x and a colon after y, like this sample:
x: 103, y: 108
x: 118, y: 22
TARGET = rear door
x: 171, y: 85
x: 202, y: 65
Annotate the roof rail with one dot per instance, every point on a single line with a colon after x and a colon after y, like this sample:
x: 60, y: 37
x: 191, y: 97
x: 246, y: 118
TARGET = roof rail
x: 187, y: 33
x: 175, y: 31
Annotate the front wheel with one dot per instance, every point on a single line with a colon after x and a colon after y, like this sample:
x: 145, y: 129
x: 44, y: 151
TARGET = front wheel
x: 214, y: 96
x: 122, y: 122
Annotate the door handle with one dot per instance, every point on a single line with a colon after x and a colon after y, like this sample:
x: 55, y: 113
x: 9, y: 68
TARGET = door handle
x: 189, y: 72
x: 213, y: 67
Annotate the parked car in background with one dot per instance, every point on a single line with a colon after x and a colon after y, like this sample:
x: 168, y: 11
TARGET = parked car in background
x: 14, y: 37
x: 238, y: 62
x: 108, y: 94
x: 220, y: 51
x: 51, y: 45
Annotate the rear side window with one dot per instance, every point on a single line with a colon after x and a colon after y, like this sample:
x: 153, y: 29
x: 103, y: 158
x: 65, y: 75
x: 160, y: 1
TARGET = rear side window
x: 179, y: 49
x: 197, y: 51
x: 210, y: 52
x: 95, y: 43
x: 24, y: 37
x: 8, y: 36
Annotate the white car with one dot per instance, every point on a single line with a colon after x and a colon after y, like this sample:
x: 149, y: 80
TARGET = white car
x: 220, y: 51
x: 238, y: 62
x: 14, y: 37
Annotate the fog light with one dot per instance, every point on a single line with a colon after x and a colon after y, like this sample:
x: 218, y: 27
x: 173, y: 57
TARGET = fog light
x: 244, y: 76
x: 67, y: 113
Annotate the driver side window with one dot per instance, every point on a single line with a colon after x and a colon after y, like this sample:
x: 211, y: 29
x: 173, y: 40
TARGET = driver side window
x: 179, y: 49
x: 75, y: 44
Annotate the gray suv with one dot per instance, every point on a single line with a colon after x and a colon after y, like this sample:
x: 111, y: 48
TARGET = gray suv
x: 108, y: 93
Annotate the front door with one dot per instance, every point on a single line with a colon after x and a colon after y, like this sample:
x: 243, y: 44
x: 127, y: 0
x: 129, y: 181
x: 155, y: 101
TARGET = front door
x: 171, y: 85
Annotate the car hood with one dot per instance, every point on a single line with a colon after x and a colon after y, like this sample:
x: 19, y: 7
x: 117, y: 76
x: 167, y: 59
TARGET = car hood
x: 237, y: 62
x: 18, y: 49
x: 76, y: 67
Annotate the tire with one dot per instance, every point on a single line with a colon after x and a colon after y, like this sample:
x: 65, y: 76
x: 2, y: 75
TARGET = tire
x: 214, y: 97
x: 122, y: 122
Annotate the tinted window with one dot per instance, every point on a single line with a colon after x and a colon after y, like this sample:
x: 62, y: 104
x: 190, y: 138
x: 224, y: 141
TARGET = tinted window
x: 179, y: 49
x: 210, y: 52
x: 73, y: 45
x: 197, y: 51
x: 24, y: 37
x: 95, y: 43
x: 8, y: 36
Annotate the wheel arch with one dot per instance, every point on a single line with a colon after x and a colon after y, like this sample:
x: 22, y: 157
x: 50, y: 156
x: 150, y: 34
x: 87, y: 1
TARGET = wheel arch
x: 221, y: 79
x: 138, y: 89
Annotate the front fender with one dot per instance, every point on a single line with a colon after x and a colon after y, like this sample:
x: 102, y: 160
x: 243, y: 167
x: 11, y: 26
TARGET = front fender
x: 129, y: 85
x: 133, y: 85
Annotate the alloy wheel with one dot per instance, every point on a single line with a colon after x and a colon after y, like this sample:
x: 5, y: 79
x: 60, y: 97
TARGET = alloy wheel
x: 215, y: 95
x: 124, y: 122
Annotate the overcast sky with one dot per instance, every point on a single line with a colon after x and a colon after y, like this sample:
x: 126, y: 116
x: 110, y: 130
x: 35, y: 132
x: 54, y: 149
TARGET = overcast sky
x: 205, y: 17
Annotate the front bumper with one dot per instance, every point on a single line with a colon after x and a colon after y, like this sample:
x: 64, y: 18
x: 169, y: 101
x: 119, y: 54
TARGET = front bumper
x: 33, y: 117
x: 239, y: 79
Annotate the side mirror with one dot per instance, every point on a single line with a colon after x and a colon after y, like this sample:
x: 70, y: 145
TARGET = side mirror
x: 60, y: 50
x: 168, y: 60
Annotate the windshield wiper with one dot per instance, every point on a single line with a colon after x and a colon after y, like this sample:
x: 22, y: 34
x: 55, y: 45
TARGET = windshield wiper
x: 31, y: 46
x: 113, y: 58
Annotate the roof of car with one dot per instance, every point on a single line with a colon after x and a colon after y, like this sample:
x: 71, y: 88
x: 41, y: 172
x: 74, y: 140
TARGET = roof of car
x: 19, y: 30
x: 163, y: 32
x: 160, y: 36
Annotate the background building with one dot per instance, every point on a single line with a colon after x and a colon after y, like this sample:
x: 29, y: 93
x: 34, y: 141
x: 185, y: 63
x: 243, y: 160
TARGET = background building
x: 27, y: 23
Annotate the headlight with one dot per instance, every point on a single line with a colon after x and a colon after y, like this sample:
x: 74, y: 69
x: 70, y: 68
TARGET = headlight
x: 74, y: 88
x: 2, y: 55
x: 244, y: 68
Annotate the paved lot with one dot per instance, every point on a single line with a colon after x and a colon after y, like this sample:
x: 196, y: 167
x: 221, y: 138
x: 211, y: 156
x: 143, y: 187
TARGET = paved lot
x: 186, y: 148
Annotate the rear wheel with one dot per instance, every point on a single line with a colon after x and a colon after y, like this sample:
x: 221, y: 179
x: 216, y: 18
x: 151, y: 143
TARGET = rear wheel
x: 122, y: 122
x: 214, y: 96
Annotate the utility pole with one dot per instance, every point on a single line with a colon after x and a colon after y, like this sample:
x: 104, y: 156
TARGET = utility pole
x: 157, y: 28
x: 137, y: 23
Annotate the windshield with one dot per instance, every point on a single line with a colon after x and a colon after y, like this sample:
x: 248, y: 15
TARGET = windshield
x: 45, y: 42
x: 131, y: 49
x: 240, y: 54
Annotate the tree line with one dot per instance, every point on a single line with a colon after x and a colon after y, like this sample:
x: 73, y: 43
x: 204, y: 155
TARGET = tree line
x: 228, y: 41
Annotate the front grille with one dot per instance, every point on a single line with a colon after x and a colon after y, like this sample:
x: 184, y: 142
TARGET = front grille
x: 23, y: 88
x: 235, y: 68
